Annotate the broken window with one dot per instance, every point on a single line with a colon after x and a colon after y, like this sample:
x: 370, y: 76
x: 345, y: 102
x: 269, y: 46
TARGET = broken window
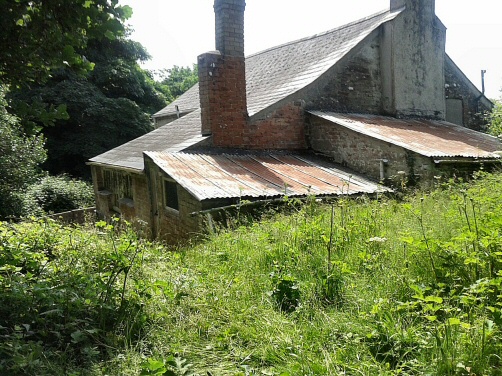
x: 119, y: 184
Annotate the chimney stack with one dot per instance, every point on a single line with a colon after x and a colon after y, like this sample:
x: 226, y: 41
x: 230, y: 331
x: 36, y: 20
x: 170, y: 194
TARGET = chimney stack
x: 222, y: 78
x: 412, y: 60
x: 229, y: 17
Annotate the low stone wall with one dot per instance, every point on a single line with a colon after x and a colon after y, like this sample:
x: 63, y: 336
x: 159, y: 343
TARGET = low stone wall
x: 78, y: 216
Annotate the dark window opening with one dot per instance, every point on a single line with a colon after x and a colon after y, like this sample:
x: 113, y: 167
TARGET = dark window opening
x: 120, y: 186
x: 171, y: 194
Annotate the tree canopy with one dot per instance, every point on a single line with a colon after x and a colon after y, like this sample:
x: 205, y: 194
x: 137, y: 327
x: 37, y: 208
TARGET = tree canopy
x: 20, y: 157
x: 74, y: 75
x: 495, y: 127
x: 38, y: 35
x: 105, y: 108
x: 176, y: 80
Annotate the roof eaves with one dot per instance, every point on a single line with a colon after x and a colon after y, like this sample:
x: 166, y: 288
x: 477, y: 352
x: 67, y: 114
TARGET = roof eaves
x: 116, y: 167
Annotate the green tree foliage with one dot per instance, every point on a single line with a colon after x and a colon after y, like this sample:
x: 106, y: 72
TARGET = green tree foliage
x: 20, y: 157
x: 118, y: 75
x: 495, y: 127
x: 38, y: 36
x: 177, y: 80
x: 106, y: 108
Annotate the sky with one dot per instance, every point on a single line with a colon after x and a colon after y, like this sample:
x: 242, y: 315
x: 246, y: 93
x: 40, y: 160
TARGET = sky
x: 175, y: 32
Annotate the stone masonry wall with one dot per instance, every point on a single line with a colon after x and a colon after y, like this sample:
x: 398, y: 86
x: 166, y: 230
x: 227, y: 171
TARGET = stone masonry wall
x: 142, y: 204
x: 352, y: 87
x: 132, y: 208
x: 363, y: 154
x: 173, y: 226
x: 473, y: 108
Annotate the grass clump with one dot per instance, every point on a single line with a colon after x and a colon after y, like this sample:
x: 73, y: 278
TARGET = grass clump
x: 356, y: 286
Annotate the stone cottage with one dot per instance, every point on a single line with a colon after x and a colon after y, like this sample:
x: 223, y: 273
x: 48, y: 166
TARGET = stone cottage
x: 326, y: 115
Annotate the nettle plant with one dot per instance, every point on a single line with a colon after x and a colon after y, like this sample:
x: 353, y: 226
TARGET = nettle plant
x: 67, y: 293
x: 459, y: 297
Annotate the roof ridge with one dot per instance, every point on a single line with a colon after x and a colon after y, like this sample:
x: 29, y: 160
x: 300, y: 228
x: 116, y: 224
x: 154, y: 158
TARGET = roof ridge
x: 338, y: 28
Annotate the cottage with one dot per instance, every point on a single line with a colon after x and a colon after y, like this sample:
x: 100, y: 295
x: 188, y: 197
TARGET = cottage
x: 327, y: 115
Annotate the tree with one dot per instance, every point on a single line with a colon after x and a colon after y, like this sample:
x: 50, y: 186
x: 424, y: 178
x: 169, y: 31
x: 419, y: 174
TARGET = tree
x: 38, y: 36
x: 177, y: 80
x: 96, y: 124
x: 20, y: 157
x: 495, y: 127
x: 106, y: 108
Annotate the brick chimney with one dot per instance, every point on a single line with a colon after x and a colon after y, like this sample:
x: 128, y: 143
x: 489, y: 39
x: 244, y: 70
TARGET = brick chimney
x: 412, y: 60
x: 222, y: 78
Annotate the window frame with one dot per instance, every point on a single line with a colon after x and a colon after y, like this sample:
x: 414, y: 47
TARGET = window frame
x: 166, y: 195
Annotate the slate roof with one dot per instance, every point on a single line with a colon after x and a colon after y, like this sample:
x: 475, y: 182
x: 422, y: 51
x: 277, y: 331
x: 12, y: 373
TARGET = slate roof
x: 172, y: 137
x: 187, y: 102
x: 278, y: 72
x: 264, y: 175
x: 271, y: 76
x: 438, y: 139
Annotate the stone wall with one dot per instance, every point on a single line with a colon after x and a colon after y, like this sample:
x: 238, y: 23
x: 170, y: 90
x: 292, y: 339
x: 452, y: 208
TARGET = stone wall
x: 351, y: 86
x: 364, y: 154
x: 170, y: 225
x: 111, y: 202
x: 474, y: 106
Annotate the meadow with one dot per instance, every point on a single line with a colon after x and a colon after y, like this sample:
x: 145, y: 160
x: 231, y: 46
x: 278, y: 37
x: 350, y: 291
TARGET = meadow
x: 409, y: 284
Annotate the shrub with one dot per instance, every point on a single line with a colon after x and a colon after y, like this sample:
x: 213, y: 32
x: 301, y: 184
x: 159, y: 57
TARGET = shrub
x: 67, y: 294
x: 56, y: 194
x: 495, y: 127
x: 20, y: 156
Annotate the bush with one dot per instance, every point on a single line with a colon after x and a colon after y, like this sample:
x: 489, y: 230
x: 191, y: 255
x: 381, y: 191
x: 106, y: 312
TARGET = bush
x: 56, y: 194
x: 20, y: 156
x: 495, y: 128
x: 67, y: 294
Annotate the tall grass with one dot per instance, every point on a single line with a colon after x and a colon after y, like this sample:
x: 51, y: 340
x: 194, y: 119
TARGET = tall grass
x: 350, y: 287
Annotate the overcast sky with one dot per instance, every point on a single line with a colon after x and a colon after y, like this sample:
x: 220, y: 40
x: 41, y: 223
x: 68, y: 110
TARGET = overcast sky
x: 176, y: 32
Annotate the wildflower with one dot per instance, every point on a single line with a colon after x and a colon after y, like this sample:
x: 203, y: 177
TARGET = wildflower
x: 377, y: 239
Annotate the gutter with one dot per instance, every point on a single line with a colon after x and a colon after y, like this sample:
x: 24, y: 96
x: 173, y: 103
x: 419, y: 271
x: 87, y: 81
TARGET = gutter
x: 127, y: 169
x: 460, y: 161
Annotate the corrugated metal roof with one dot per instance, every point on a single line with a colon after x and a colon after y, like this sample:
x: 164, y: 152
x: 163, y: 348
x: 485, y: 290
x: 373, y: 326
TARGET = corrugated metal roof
x: 210, y: 176
x: 425, y: 137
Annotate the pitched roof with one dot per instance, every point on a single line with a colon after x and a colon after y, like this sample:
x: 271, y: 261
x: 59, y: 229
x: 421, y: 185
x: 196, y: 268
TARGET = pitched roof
x: 425, y: 137
x: 172, y: 137
x: 278, y: 72
x: 271, y: 76
x: 265, y: 175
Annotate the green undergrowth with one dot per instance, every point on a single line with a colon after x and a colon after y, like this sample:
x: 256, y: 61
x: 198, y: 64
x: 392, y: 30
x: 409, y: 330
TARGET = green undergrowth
x: 357, y: 286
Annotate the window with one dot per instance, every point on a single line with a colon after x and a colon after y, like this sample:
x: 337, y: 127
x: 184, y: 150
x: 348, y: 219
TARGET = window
x: 120, y: 186
x: 171, y: 194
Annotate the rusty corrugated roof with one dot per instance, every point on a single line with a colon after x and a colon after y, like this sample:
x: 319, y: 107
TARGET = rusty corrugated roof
x: 425, y: 137
x: 210, y: 176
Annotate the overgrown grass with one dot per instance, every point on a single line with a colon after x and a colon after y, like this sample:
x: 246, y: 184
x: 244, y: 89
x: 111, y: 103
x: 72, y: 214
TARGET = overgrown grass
x: 353, y: 287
